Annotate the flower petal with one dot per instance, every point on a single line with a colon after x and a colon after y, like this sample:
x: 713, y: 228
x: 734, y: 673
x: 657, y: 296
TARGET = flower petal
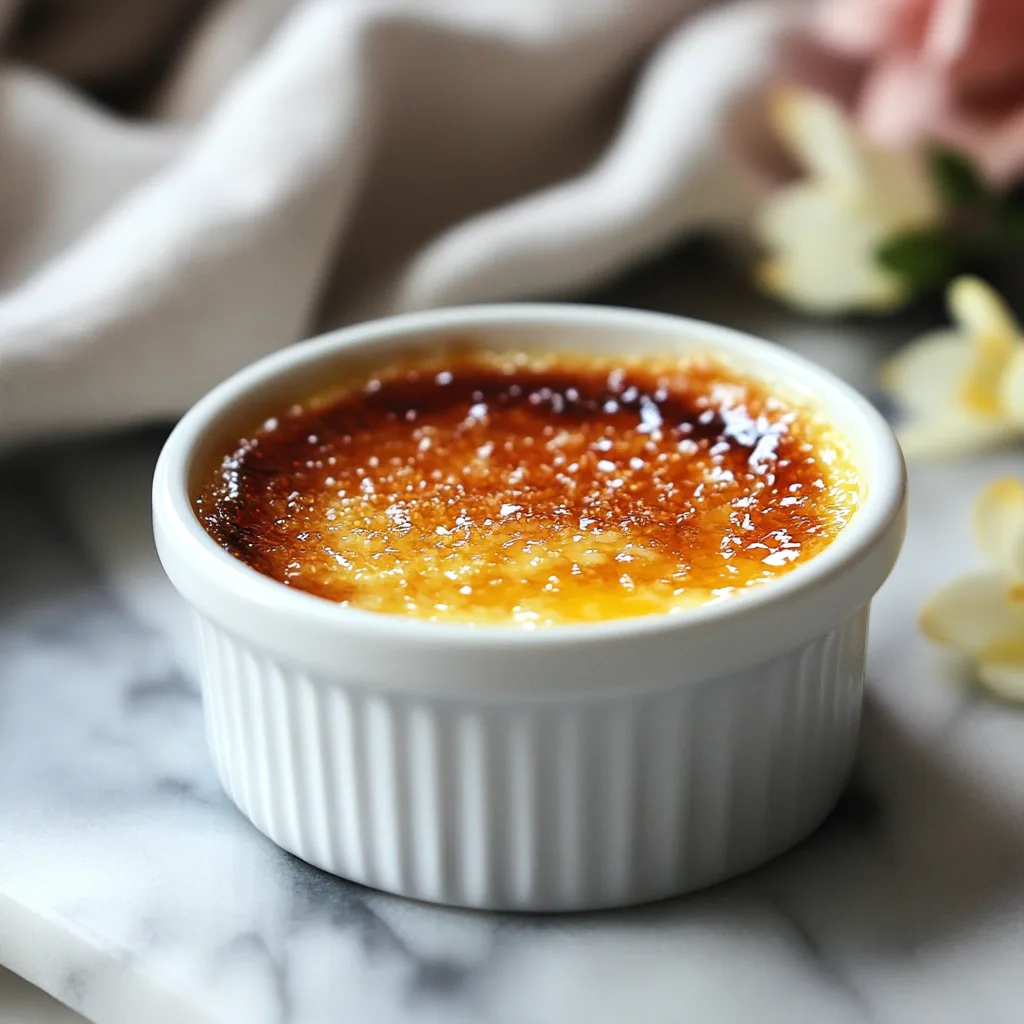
x: 1011, y: 388
x: 899, y: 100
x: 974, y: 614
x: 949, y: 32
x: 925, y: 375
x: 999, y: 526
x: 979, y: 309
x: 996, y: 145
x: 901, y: 188
x: 816, y: 131
x: 941, y: 435
x: 986, y: 320
x: 824, y: 245
x: 1004, y: 679
x: 856, y: 27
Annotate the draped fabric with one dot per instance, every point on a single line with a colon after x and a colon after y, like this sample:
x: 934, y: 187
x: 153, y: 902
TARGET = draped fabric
x: 185, y: 187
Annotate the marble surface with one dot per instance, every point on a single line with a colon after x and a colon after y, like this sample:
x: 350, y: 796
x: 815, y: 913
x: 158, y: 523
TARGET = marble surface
x: 131, y: 890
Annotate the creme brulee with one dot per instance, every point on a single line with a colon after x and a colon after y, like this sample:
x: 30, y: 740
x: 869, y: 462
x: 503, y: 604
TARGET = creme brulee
x: 535, y: 489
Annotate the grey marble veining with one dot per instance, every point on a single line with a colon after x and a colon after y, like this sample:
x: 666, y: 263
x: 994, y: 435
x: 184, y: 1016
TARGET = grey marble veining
x: 132, y: 890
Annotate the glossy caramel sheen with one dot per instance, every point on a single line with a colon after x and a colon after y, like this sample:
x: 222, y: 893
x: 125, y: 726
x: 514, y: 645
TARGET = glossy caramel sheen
x: 532, y: 489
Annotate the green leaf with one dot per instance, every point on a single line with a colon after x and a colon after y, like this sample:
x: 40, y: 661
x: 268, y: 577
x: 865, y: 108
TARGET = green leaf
x: 1015, y: 196
x: 955, y: 179
x: 922, y: 257
x: 1009, y: 224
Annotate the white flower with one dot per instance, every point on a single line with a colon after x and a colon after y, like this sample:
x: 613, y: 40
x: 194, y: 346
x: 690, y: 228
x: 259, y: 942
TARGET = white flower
x: 961, y: 389
x: 823, y: 232
x: 982, y: 614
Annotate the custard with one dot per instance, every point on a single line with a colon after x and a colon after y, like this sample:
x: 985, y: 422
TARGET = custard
x: 532, y: 489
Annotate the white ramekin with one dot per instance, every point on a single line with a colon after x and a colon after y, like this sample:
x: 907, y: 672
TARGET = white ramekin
x: 568, y: 768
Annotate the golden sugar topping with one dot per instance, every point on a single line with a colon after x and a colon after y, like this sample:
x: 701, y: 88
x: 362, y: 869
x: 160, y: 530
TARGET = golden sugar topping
x: 533, y: 489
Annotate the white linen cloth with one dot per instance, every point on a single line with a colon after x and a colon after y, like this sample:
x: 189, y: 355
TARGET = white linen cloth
x: 299, y: 165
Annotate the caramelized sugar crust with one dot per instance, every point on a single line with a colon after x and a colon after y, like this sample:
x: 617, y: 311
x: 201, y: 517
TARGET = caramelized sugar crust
x: 532, y: 489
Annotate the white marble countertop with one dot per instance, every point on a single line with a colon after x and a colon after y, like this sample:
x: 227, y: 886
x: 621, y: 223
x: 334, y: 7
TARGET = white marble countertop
x: 131, y: 889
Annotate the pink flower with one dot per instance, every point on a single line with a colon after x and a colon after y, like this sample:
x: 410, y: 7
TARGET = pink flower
x: 950, y: 71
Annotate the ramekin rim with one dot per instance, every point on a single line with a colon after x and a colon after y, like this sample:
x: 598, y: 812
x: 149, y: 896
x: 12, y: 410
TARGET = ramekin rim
x: 878, y: 514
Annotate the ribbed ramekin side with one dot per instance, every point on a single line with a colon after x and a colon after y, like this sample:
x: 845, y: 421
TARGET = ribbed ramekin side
x: 536, y: 805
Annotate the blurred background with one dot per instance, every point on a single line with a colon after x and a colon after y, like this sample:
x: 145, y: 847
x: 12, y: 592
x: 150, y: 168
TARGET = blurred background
x: 186, y: 186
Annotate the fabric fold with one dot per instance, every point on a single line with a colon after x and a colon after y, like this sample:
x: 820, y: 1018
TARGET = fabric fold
x: 305, y: 165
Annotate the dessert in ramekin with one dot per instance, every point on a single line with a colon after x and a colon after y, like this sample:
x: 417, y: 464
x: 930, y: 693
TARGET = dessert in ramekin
x: 532, y: 607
